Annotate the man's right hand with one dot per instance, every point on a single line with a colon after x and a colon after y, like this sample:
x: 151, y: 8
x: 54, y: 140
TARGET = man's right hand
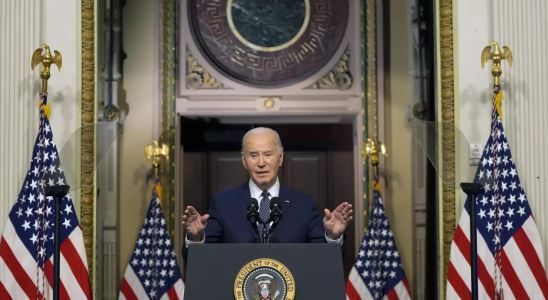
x: 194, y: 224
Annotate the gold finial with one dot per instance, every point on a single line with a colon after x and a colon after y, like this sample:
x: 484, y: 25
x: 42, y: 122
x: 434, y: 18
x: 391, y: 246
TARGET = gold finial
x: 46, y: 59
x: 373, y: 148
x: 497, y: 56
x: 156, y: 151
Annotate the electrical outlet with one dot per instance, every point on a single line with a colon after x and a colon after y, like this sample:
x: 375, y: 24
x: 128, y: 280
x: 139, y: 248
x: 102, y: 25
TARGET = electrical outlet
x: 474, y: 154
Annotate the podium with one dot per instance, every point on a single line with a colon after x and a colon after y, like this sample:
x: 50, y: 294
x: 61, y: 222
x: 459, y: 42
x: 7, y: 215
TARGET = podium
x: 265, y: 271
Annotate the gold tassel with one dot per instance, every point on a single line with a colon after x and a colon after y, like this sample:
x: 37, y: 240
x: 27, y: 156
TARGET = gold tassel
x: 377, y: 186
x: 159, y: 192
x: 498, y: 102
x: 47, y: 108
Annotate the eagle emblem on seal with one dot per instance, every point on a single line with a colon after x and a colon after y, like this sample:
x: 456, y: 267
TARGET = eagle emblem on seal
x: 265, y: 287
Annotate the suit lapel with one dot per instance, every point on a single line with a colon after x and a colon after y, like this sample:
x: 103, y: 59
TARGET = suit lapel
x: 245, y: 195
x: 286, y: 205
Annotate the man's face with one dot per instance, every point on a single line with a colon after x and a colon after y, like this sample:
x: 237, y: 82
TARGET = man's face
x: 262, y: 159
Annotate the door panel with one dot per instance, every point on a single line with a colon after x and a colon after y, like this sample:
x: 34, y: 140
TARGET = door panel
x: 225, y: 171
x: 306, y: 172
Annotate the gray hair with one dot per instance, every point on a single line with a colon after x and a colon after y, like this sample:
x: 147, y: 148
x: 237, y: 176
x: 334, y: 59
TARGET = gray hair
x: 262, y: 130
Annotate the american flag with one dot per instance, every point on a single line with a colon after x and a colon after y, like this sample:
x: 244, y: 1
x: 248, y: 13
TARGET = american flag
x: 510, y: 259
x: 378, y: 272
x: 153, y: 272
x: 27, y: 245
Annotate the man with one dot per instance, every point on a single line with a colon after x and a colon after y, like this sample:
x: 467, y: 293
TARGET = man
x: 226, y: 221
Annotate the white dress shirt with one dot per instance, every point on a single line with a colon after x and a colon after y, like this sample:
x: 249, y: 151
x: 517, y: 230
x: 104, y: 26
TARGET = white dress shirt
x: 256, y: 192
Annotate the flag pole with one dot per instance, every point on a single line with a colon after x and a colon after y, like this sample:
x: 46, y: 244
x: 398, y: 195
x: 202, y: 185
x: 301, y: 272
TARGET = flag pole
x: 59, y: 191
x: 497, y: 56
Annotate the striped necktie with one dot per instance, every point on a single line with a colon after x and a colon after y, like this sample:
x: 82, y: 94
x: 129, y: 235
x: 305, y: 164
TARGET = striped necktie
x: 264, y: 212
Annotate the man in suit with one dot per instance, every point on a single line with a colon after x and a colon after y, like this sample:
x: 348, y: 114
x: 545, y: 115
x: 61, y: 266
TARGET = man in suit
x: 226, y: 221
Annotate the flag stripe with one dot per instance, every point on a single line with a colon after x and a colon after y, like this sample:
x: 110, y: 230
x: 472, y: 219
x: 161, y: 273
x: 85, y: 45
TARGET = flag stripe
x: 402, y: 291
x: 407, y: 287
x: 77, y: 267
x: 462, y: 242
x: 63, y: 294
x: 351, y: 292
x: 523, y: 272
x: 450, y: 292
x: 392, y: 295
x: 135, y: 284
x: 4, y: 295
x: 533, y: 261
x: 77, y: 239
x: 172, y: 294
x: 18, y: 273
x: 483, y: 250
x: 508, y: 295
x: 27, y: 262
x: 357, y: 283
x: 531, y: 231
x: 179, y: 289
x: 70, y: 281
x: 457, y: 283
x: 127, y: 291
x: 10, y: 284
x: 512, y: 279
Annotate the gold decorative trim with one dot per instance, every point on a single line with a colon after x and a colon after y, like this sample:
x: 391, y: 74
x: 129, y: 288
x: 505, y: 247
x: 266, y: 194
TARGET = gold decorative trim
x: 167, y: 116
x: 87, y: 213
x: 448, y: 134
x: 339, y: 77
x: 371, y: 81
x: 197, y: 77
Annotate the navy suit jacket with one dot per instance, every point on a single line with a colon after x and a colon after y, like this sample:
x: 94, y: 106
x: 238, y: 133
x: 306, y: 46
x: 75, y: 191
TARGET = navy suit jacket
x: 227, y: 223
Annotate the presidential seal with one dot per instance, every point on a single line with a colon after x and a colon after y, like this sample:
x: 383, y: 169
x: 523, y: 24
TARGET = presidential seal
x: 264, y: 279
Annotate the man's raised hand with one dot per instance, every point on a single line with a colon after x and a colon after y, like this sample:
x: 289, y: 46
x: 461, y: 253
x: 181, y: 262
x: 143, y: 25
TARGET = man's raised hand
x: 335, y: 222
x: 194, y: 224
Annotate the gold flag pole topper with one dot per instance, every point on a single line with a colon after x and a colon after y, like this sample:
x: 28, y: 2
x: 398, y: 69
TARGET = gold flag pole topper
x: 374, y: 148
x: 497, y: 56
x: 156, y: 151
x: 47, y: 59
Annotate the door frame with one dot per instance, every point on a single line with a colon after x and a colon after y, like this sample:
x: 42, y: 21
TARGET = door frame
x: 245, y: 110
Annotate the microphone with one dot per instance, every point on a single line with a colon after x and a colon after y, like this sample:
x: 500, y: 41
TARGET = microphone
x: 252, y: 211
x: 275, y: 210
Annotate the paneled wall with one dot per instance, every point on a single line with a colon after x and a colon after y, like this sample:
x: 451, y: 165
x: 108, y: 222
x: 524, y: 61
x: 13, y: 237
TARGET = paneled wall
x: 24, y: 26
x: 20, y: 35
x: 522, y: 26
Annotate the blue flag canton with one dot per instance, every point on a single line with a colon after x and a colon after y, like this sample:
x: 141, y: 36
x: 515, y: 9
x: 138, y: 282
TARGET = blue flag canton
x: 153, y: 260
x: 496, y: 164
x: 33, y: 215
x: 379, y: 263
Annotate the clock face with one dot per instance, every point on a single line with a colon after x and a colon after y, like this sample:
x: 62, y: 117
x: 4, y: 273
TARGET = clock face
x: 268, y: 43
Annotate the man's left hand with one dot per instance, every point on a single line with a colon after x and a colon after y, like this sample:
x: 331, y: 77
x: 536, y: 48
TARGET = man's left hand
x: 335, y: 222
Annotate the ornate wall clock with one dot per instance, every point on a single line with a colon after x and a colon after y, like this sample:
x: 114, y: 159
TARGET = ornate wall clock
x: 268, y: 43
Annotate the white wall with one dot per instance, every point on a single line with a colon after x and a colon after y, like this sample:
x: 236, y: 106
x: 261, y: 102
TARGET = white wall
x: 24, y: 26
x: 138, y: 84
x: 520, y: 25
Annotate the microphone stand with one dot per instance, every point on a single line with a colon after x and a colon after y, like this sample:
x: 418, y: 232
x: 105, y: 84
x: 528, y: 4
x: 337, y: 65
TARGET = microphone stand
x: 57, y: 192
x: 472, y: 190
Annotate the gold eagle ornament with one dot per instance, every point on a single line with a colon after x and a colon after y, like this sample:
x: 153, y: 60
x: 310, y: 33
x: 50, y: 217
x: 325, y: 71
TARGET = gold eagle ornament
x: 156, y: 151
x: 497, y: 56
x: 47, y: 59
